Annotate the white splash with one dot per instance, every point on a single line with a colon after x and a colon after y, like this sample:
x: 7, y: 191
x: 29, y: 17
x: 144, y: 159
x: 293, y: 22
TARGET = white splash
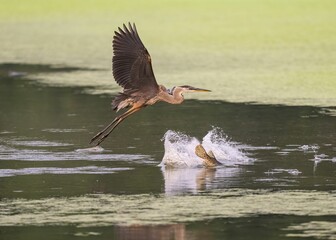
x: 227, y: 152
x: 90, y: 150
x: 180, y: 149
x: 280, y: 170
x: 307, y: 148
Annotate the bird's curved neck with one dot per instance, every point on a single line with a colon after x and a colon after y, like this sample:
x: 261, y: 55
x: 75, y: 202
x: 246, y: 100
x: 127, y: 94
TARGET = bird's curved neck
x: 175, y: 98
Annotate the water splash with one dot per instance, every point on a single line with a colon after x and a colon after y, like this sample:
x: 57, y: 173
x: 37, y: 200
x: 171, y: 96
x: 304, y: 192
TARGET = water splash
x: 280, y: 171
x: 309, y: 148
x: 226, y: 151
x: 91, y: 149
x: 180, y: 149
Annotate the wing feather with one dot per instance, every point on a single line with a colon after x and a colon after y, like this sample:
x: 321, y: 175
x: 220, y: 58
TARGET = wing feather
x: 131, y: 62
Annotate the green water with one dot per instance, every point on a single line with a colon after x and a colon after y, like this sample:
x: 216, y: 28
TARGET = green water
x: 271, y: 68
x: 51, y: 188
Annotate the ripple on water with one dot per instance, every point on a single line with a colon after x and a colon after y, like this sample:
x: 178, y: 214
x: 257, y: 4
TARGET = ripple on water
x: 55, y: 170
x: 62, y: 130
x: 37, y: 143
x: 313, y: 229
x: 89, y: 154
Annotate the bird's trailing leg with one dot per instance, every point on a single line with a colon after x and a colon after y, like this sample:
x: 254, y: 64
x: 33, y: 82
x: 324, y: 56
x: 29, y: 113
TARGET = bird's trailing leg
x: 100, y: 137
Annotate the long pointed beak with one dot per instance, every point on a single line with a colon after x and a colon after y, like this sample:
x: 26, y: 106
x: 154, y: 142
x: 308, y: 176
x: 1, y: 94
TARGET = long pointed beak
x: 200, y: 90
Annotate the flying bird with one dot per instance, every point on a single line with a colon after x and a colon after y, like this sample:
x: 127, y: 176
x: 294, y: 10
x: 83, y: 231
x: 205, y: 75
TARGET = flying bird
x: 132, y: 70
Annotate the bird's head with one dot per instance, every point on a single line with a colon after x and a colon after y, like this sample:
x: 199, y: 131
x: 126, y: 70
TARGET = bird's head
x: 187, y: 88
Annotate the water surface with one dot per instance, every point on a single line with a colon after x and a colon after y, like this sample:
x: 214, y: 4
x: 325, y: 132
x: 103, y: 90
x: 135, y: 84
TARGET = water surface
x: 280, y: 182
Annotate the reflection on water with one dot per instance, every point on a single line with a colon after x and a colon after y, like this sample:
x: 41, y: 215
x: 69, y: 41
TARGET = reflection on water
x: 148, y: 232
x: 279, y: 168
x: 194, y: 180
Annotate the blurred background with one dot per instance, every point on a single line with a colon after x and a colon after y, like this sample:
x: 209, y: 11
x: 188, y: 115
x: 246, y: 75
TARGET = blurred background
x: 267, y: 51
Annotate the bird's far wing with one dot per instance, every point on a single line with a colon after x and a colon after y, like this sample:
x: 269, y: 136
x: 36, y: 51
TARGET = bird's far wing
x: 131, y: 62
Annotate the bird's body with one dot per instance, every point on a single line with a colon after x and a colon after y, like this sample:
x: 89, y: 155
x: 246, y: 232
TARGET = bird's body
x: 129, y: 98
x: 132, y: 70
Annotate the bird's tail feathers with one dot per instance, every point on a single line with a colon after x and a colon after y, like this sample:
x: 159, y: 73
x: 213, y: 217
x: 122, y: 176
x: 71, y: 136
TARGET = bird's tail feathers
x: 120, y: 101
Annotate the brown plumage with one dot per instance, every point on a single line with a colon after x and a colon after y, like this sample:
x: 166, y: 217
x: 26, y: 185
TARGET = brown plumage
x: 133, y: 71
x: 209, y: 159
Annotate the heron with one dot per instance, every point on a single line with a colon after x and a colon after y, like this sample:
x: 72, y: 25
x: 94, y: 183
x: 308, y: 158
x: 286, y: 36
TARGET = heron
x: 132, y: 70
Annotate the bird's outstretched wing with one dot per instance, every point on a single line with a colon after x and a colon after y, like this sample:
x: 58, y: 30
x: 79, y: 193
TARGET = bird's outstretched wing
x: 131, y: 62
